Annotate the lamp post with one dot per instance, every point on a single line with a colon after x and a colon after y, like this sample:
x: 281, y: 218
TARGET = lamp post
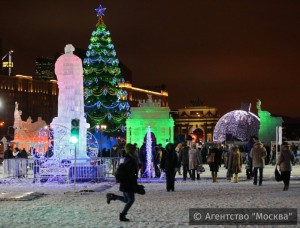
x: 8, y: 64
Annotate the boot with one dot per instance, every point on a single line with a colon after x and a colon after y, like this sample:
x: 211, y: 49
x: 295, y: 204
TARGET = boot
x: 216, y: 176
x: 232, y: 179
x: 213, y: 177
x: 236, y: 178
x: 123, y: 218
x: 110, y: 197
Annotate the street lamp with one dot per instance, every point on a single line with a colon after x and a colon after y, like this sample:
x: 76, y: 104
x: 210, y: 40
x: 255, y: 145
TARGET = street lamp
x: 8, y: 64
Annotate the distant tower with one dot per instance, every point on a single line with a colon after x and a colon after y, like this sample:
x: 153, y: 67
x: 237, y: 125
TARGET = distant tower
x: 69, y: 72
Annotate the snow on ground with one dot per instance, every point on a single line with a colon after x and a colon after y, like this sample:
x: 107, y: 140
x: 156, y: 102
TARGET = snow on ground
x: 60, y: 207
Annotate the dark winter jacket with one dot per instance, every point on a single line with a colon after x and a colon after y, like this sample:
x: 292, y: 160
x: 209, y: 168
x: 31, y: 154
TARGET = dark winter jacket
x: 131, y: 172
x: 23, y: 154
x: 285, y: 159
x: 214, y: 167
x: 169, y: 160
x: 184, y: 155
x: 115, y: 153
x: 8, y: 154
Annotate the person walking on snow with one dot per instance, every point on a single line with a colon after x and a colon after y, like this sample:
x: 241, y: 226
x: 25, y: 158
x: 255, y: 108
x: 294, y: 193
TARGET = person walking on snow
x: 285, y: 161
x: 258, y: 154
x: 129, y: 185
x: 235, y: 164
x: 169, y: 163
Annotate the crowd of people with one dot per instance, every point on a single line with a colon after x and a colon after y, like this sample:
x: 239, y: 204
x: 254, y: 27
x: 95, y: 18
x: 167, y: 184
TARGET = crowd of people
x: 188, y: 160
x: 15, y: 153
x: 171, y: 158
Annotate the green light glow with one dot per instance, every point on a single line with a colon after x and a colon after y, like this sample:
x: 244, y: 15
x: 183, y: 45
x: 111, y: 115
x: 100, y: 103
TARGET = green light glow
x: 74, y: 139
x: 268, y: 124
x: 161, y: 124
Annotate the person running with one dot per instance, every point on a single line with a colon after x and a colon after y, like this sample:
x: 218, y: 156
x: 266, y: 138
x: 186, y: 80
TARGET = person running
x: 129, y: 184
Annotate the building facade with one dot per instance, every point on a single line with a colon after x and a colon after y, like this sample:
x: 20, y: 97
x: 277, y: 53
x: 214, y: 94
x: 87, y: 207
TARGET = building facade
x: 39, y: 98
x: 44, y: 68
x: 135, y: 94
x: 36, y: 98
x: 196, y: 123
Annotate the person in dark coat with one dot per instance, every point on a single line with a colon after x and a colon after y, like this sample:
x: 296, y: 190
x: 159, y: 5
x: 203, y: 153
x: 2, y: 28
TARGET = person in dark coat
x: 285, y: 160
x: 216, y: 154
x: 128, y: 186
x: 23, y: 154
x: 157, y: 160
x: 248, y: 149
x: 169, y: 163
x: 8, y: 154
x: 204, y: 152
x: 115, y: 157
x: 184, y: 158
x: 142, y: 159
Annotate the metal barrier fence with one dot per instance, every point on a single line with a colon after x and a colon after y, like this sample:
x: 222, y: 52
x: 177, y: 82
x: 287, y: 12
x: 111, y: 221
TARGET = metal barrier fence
x: 15, y: 168
x: 47, y: 170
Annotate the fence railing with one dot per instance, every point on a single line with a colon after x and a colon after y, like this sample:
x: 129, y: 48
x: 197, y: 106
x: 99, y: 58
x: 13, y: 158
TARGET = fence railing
x: 15, y: 168
x: 64, y: 171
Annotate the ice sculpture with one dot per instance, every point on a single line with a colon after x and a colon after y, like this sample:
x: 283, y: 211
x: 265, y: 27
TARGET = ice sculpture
x: 150, y: 113
x: 69, y: 72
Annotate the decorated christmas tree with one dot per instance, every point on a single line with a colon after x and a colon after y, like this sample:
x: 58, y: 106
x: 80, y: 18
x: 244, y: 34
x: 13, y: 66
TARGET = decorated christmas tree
x: 105, y: 103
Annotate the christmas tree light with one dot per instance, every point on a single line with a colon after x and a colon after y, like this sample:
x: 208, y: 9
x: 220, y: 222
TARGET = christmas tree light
x: 105, y: 102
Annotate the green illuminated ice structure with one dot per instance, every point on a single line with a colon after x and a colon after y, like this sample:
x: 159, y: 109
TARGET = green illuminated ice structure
x: 268, y: 124
x: 150, y: 113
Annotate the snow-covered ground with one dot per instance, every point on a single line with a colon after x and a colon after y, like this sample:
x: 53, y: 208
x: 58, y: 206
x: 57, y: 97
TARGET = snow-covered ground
x: 60, y: 207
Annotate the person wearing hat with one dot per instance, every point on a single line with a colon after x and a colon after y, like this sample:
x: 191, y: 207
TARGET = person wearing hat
x: 129, y: 185
x: 285, y: 160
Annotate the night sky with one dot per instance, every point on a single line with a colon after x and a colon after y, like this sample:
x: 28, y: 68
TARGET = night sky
x: 221, y: 52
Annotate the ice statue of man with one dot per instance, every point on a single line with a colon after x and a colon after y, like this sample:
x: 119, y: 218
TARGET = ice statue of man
x: 69, y: 72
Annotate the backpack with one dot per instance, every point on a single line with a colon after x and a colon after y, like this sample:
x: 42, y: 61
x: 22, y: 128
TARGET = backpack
x: 121, y: 173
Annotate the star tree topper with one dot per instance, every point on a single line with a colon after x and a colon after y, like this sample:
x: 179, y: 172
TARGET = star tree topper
x: 100, y: 11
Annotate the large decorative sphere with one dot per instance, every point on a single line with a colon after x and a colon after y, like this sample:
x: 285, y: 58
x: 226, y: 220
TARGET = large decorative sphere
x: 239, y: 124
